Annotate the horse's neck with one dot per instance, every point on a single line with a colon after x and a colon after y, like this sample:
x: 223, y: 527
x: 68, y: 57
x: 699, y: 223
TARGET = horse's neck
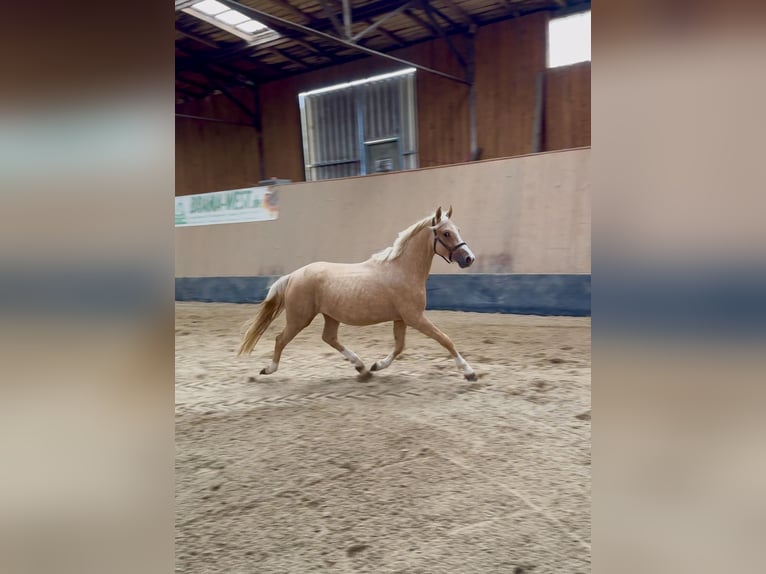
x: 418, y: 256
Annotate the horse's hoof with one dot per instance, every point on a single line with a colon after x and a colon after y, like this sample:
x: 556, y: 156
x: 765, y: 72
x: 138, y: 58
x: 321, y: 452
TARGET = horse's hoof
x: 359, y: 369
x: 364, y: 376
x: 374, y: 367
x: 472, y: 377
x: 263, y: 372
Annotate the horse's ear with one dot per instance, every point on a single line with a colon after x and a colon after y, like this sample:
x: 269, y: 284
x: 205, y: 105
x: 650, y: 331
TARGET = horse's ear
x: 438, y: 216
x: 449, y: 212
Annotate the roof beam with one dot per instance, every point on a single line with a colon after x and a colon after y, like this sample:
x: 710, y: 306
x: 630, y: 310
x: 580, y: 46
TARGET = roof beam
x: 467, y: 19
x: 333, y: 19
x: 188, y: 93
x: 370, y: 10
x: 350, y: 58
x: 221, y: 52
x: 209, y: 74
x: 208, y: 119
x: 511, y: 9
x: 292, y: 9
x: 420, y: 22
x: 458, y: 56
x: 194, y: 63
x: 275, y: 20
x: 287, y: 32
x: 380, y: 21
x: 288, y: 57
x: 311, y: 48
x: 302, y: 16
x: 347, y: 18
x: 390, y: 35
x: 196, y: 37
x: 253, y: 115
x: 218, y: 85
x: 194, y: 83
x: 450, y: 22
x: 375, y: 9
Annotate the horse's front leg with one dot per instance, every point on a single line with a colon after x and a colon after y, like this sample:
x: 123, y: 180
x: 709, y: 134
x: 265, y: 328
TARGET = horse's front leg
x: 400, y: 327
x: 425, y: 326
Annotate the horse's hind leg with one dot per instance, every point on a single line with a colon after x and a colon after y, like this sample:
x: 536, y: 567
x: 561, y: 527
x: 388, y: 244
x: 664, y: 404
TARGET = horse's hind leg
x: 400, y: 327
x: 294, y: 326
x: 330, y: 336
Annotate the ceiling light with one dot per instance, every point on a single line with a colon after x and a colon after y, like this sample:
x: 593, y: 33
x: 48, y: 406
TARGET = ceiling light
x: 403, y: 72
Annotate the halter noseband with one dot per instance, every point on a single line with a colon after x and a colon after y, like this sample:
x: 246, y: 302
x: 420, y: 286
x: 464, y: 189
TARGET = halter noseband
x: 437, y: 239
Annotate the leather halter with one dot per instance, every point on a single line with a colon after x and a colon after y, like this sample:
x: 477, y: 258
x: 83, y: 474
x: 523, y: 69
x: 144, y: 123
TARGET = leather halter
x: 437, y: 239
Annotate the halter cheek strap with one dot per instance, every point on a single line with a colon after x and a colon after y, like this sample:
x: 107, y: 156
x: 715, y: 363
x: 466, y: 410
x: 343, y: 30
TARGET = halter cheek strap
x: 437, y: 239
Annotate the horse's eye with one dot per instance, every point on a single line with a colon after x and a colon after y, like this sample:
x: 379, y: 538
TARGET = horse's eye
x: 446, y: 234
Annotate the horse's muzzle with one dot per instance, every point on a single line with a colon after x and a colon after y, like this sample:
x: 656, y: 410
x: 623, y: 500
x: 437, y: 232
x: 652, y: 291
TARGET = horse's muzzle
x: 464, y: 257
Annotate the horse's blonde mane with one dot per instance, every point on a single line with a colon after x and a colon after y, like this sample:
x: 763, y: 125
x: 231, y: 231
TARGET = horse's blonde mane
x: 391, y: 253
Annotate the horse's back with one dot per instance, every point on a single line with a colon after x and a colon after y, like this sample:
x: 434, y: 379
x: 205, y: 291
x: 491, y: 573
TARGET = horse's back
x: 320, y: 273
x: 352, y: 293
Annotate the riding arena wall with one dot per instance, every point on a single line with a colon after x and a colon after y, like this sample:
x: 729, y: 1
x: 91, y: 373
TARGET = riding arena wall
x: 526, y: 218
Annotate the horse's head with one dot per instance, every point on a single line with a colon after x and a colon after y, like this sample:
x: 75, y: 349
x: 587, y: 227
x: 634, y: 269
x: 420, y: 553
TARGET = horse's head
x: 448, y: 243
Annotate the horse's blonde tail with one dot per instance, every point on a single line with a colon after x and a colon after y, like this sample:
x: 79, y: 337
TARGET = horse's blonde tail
x: 270, y: 309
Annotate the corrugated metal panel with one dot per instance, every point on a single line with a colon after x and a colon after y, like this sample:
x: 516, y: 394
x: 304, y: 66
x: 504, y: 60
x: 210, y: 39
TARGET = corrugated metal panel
x: 383, y: 109
x: 334, y: 140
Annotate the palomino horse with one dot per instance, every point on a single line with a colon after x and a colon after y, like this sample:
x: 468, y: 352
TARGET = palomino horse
x: 390, y: 286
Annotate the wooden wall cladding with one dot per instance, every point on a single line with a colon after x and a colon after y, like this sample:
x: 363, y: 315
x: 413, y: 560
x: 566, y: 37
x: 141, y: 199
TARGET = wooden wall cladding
x: 443, y: 130
x: 212, y: 156
x: 215, y: 156
x: 442, y: 108
x: 282, y: 139
x: 567, y: 107
x: 219, y: 106
x: 509, y: 55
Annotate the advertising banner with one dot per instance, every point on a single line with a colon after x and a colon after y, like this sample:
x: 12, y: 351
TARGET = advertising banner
x: 234, y: 206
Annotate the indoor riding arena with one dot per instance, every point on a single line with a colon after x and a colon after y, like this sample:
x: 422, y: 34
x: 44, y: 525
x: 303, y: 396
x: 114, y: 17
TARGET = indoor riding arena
x: 318, y: 131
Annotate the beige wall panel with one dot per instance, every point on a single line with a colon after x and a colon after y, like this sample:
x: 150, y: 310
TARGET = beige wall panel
x: 529, y: 214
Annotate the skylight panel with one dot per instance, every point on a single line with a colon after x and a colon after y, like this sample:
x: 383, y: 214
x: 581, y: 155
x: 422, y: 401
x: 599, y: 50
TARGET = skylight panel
x: 569, y: 40
x: 210, y: 7
x: 232, y: 17
x: 233, y: 21
x: 252, y: 26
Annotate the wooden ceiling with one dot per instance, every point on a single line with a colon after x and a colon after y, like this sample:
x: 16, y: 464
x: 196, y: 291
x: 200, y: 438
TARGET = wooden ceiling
x: 211, y: 60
